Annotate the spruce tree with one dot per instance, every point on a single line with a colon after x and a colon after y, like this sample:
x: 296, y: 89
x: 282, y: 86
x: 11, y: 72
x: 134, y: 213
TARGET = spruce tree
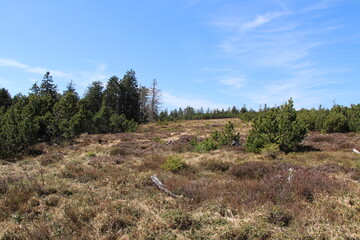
x: 93, y: 97
x: 48, y: 87
x: 5, y: 98
x: 130, y: 96
x: 112, y: 95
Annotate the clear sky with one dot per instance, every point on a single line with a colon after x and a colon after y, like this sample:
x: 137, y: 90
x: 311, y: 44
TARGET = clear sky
x: 210, y: 53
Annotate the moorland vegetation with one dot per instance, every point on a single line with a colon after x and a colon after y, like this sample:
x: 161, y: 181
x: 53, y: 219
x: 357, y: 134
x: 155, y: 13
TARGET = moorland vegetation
x: 81, y: 168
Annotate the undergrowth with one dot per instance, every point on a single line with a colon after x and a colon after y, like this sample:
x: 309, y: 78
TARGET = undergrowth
x: 102, y: 189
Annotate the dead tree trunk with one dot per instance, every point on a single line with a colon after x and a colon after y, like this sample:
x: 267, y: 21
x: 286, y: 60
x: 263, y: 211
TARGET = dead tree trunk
x: 162, y: 187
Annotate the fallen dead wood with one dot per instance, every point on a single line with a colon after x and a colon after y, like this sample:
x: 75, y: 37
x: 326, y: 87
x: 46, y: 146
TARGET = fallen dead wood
x: 356, y: 151
x: 162, y: 187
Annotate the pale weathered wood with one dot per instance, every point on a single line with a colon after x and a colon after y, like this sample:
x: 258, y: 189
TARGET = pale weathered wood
x: 162, y: 187
x: 356, y: 151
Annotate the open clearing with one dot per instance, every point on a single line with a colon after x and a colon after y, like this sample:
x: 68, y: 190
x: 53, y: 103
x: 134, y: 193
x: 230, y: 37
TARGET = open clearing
x: 100, y: 188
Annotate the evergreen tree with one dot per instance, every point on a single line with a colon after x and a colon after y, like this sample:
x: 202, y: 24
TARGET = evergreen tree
x: 113, y: 95
x: 71, y: 88
x: 19, y: 127
x: 35, y: 89
x: 130, y: 97
x: 164, y: 115
x: 5, y: 98
x: 354, y: 118
x: 243, y: 109
x: 276, y: 126
x: 81, y: 122
x: 101, y: 119
x: 181, y: 113
x: 93, y: 97
x: 234, y: 110
x: 40, y: 107
x: 189, y: 113
x: 336, y: 122
x: 48, y: 87
x: 64, y: 110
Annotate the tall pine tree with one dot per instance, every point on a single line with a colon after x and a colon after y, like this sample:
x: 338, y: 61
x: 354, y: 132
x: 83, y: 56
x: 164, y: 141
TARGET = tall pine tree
x: 130, y: 96
x: 93, y: 97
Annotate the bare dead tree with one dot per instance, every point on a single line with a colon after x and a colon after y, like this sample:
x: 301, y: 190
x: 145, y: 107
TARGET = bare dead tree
x: 144, y: 104
x: 155, y: 101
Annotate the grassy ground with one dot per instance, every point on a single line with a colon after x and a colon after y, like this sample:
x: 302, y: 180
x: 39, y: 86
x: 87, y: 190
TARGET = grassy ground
x: 100, y: 188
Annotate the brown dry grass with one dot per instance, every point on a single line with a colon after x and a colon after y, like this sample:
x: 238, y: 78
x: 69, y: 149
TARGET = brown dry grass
x: 100, y: 188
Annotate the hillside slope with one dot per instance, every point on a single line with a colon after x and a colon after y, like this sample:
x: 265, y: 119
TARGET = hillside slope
x: 100, y: 188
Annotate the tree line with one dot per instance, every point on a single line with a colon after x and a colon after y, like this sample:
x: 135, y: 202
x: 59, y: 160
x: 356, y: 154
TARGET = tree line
x: 45, y: 115
x: 190, y: 113
x: 340, y: 119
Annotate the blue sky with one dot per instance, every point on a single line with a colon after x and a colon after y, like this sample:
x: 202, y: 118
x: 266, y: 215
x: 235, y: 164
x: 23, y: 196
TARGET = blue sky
x: 209, y: 53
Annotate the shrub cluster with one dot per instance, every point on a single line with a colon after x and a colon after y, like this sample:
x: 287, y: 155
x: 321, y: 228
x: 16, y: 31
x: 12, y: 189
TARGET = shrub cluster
x: 277, y: 126
x: 217, y: 139
x: 46, y: 115
x: 337, y: 119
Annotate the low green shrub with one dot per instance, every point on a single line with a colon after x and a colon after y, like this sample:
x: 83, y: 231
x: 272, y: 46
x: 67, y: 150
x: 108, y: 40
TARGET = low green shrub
x: 119, y: 123
x: 217, y: 139
x: 271, y: 150
x: 207, y: 145
x: 174, y: 164
x: 91, y: 154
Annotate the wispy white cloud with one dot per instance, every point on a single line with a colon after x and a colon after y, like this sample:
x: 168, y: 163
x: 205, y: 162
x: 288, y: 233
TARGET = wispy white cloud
x: 185, y: 101
x: 306, y: 87
x: 4, y: 62
x: 82, y: 78
x: 238, y: 24
x: 99, y: 74
x: 282, y: 45
x: 234, y: 82
x: 262, y: 19
x: 12, y: 63
x: 317, y: 6
x: 209, y: 69
x: 86, y: 78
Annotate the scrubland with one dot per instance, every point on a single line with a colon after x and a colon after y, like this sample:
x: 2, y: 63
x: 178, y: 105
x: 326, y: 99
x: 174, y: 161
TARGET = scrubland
x: 99, y: 187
